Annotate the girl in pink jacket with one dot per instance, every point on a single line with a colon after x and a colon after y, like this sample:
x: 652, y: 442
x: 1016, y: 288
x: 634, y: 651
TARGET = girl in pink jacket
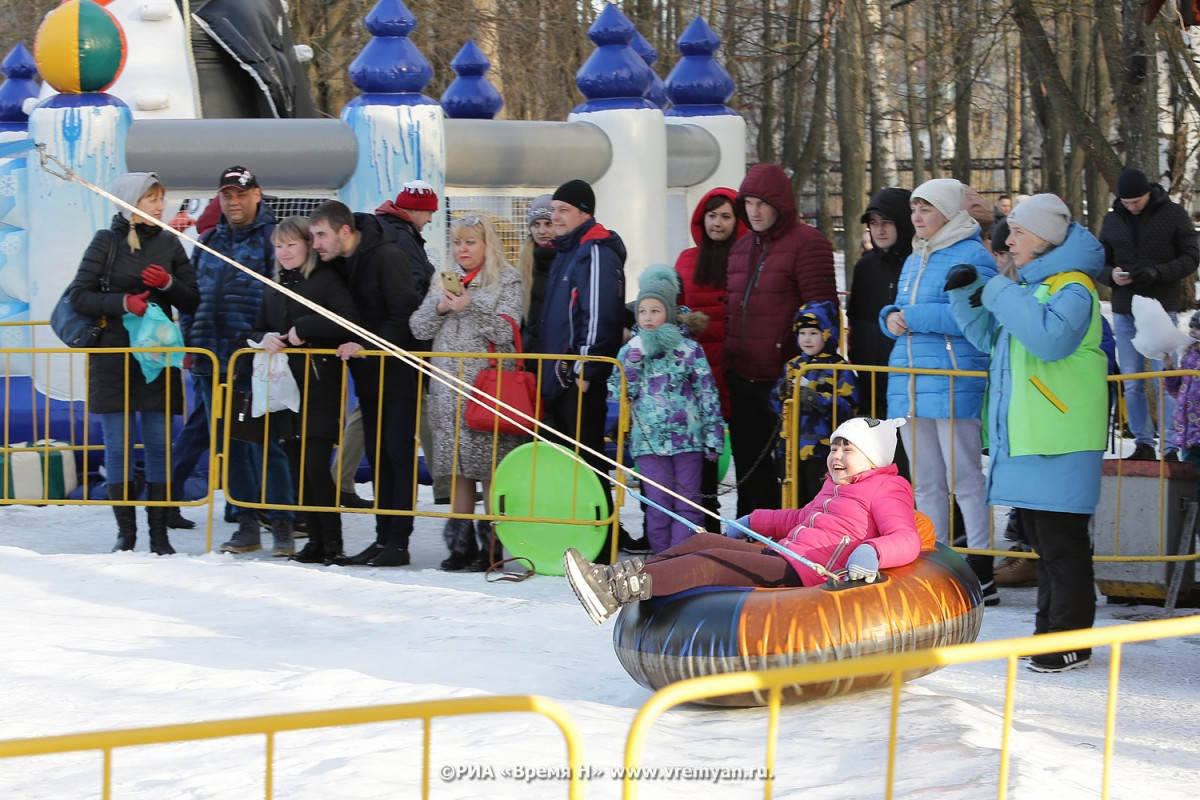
x: 862, y: 520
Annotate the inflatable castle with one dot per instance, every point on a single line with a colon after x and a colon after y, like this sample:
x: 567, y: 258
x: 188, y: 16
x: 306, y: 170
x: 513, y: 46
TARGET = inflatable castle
x: 126, y: 88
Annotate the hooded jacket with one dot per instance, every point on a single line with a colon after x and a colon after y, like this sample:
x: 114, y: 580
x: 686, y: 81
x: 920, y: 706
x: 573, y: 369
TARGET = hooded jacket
x: 229, y: 298
x: 770, y: 275
x: 584, y: 307
x: 1158, y: 248
x: 1061, y: 330
x: 934, y: 339
x: 876, y: 506
x: 824, y: 393
x: 876, y: 277
x: 708, y: 299
x: 108, y: 373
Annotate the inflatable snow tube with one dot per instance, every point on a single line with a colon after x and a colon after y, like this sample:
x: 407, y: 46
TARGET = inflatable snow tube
x: 932, y: 602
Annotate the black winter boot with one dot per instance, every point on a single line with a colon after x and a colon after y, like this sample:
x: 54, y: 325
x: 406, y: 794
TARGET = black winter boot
x: 488, y: 547
x: 460, y: 539
x: 160, y: 545
x: 982, y: 566
x: 313, y: 551
x: 395, y: 550
x: 126, y: 516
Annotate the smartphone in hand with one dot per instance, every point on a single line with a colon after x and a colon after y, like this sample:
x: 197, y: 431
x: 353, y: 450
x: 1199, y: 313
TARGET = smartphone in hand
x: 451, y: 282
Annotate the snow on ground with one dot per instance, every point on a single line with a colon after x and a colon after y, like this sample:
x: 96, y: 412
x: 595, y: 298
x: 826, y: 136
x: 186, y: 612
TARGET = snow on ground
x: 94, y: 640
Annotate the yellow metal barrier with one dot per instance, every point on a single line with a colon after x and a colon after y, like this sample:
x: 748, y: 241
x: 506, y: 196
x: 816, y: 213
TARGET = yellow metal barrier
x: 270, y: 725
x: 773, y: 683
x: 542, y: 428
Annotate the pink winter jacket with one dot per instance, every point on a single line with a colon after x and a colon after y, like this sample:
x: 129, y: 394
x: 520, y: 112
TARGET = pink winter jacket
x: 875, y: 506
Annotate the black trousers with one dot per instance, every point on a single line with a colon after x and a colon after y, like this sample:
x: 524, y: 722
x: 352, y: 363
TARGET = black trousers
x: 1066, y: 584
x: 753, y: 433
x: 313, y: 483
x: 392, y: 421
x: 568, y: 412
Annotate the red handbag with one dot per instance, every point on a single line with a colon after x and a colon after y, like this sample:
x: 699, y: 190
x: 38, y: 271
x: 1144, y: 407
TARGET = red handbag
x: 514, y: 387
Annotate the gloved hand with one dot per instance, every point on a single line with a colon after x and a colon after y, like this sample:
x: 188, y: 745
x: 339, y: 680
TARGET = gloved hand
x: 1146, y: 276
x: 863, y: 564
x: 734, y: 533
x: 156, y: 277
x: 809, y: 399
x: 565, y: 372
x: 976, y: 298
x: 136, y: 303
x: 960, y: 275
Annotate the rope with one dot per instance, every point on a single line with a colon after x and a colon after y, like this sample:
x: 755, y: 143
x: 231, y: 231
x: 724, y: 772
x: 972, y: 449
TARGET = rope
x: 771, y: 543
x: 515, y: 416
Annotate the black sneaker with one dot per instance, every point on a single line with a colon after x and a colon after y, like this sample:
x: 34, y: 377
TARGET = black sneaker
x: 1060, y: 662
x: 628, y: 544
x: 1171, y: 455
x: 991, y: 595
x: 352, y: 500
x: 1143, y: 452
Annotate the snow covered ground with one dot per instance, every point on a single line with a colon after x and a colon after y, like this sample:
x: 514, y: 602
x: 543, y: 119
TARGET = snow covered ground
x: 94, y: 640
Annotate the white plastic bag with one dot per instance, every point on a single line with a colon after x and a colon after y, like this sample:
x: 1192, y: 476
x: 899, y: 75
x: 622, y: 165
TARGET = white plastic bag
x: 272, y: 385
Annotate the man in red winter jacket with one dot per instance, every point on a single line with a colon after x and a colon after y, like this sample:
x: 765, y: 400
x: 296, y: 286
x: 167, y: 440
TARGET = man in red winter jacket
x: 780, y: 266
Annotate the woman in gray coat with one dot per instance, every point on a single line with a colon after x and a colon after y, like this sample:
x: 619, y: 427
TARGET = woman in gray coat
x: 465, y: 309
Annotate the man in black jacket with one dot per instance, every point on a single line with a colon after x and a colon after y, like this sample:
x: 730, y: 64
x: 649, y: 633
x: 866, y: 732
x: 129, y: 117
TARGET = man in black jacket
x: 403, y: 219
x: 379, y: 277
x: 1150, y: 249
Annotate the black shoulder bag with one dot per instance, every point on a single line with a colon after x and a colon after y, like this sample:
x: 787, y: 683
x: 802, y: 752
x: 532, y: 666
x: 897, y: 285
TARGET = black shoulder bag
x: 79, y: 330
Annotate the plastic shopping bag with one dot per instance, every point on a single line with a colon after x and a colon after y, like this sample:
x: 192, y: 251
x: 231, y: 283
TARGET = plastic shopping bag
x: 154, y: 329
x: 272, y: 385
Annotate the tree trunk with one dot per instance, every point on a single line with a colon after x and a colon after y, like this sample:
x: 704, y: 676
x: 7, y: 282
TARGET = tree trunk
x: 850, y: 108
x: 883, y: 127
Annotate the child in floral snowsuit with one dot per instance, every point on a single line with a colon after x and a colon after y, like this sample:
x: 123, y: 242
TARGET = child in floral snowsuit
x: 675, y: 410
x: 1185, y: 427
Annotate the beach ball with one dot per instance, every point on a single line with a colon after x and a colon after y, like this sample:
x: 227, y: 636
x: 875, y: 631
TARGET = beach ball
x: 80, y: 47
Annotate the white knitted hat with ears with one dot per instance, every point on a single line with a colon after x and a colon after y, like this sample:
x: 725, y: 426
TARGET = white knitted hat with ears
x: 944, y: 194
x: 874, y: 438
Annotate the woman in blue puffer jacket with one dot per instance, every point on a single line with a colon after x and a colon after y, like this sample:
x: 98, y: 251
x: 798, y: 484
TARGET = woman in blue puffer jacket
x: 944, y: 435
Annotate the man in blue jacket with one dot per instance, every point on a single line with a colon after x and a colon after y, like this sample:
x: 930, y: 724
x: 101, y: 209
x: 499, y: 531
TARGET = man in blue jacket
x: 229, y: 304
x: 582, y: 315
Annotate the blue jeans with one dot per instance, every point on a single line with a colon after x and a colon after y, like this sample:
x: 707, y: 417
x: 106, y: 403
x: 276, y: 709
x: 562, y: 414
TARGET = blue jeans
x: 118, y: 447
x: 245, y: 469
x: 1142, y: 423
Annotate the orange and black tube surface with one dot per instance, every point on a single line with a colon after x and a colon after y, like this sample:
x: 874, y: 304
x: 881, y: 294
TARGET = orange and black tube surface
x: 932, y: 602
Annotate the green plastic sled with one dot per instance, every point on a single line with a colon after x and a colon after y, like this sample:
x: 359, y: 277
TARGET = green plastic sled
x: 543, y: 480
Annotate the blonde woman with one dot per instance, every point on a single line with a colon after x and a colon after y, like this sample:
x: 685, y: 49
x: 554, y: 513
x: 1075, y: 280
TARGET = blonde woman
x: 145, y: 265
x: 284, y: 322
x: 463, y: 311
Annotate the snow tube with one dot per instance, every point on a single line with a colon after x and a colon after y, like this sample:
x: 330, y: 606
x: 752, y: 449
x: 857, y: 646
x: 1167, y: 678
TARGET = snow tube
x: 932, y: 602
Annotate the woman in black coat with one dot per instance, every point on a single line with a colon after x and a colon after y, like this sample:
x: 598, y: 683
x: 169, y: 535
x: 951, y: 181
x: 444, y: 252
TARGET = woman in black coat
x: 148, y: 266
x: 285, y: 322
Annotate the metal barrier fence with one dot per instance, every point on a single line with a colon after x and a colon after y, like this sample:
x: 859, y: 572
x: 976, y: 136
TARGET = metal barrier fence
x: 1133, y: 491
x: 271, y: 725
x: 769, y: 682
x: 773, y: 682
x: 534, y: 363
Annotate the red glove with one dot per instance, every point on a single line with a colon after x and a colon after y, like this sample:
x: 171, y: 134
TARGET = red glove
x: 136, y: 303
x: 156, y: 277
x: 188, y: 360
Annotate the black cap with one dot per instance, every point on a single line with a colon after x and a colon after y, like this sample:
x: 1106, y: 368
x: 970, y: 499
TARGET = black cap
x: 1132, y: 184
x: 579, y: 194
x: 1000, y: 237
x: 238, y: 178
